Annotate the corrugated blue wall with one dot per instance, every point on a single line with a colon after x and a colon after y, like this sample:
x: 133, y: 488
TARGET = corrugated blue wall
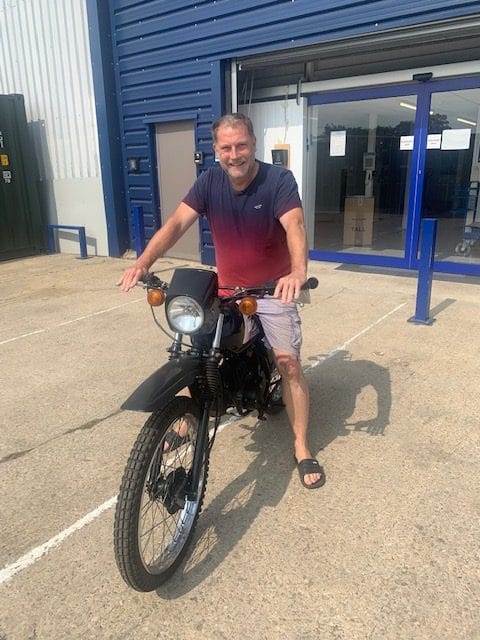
x: 167, y: 59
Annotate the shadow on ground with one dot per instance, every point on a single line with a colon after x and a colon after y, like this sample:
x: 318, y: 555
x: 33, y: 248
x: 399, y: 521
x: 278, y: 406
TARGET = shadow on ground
x: 335, y: 382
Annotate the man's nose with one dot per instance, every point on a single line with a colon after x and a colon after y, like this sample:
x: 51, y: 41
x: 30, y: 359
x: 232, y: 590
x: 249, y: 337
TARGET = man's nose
x: 233, y: 152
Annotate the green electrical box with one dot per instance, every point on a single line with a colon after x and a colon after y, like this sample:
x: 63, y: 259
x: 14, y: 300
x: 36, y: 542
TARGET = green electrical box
x: 21, y: 230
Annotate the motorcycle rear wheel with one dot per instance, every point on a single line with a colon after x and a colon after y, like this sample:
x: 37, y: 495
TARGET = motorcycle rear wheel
x: 154, y: 517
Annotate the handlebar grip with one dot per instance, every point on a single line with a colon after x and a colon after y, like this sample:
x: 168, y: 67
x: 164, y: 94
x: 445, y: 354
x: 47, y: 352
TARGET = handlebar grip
x: 150, y: 279
x: 311, y: 283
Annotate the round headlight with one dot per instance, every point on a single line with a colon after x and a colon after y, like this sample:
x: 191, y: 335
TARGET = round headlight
x: 185, y: 314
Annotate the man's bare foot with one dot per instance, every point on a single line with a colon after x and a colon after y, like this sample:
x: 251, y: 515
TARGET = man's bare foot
x: 311, y: 473
x: 176, y: 437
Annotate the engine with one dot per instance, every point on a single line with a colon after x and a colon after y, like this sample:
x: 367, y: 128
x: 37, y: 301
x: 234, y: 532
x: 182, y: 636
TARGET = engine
x: 244, y: 381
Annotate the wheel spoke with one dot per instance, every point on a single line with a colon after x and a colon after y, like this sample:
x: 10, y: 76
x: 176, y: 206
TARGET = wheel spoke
x: 153, y: 511
x: 162, y: 534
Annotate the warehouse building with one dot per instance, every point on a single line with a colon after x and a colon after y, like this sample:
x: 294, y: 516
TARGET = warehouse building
x: 374, y: 106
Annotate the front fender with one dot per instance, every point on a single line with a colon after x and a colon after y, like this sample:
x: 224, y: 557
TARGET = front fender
x: 162, y: 385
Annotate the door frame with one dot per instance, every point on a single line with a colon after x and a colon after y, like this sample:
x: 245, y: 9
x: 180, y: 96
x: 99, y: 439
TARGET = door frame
x: 423, y: 91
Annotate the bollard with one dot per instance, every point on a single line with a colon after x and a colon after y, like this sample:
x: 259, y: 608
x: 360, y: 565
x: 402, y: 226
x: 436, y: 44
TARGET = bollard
x: 425, y: 272
x: 138, y: 230
x: 82, y: 239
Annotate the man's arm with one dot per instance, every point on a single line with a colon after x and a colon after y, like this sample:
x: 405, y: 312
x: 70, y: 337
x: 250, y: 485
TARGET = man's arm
x: 161, y: 241
x: 288, y: 287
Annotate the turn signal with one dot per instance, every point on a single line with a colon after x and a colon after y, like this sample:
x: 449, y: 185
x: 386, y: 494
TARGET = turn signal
x: 155, y: 297
x: 248, y: 306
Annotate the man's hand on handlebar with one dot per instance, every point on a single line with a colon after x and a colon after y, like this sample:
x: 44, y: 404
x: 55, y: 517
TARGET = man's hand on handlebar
x: 131, y: 276
x: 288, y: 288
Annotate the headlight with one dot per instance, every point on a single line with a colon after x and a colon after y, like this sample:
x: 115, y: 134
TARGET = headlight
x: 185, y: 315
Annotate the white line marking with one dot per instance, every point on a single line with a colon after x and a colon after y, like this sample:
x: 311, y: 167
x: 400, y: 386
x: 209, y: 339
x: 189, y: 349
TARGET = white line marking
x: 357, y: 335
x: 32, y: 556
x: 63, y: 324
x: 7, y: 573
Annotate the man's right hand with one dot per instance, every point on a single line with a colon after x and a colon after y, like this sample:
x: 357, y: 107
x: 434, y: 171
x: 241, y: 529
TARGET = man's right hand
x: 130, y: 277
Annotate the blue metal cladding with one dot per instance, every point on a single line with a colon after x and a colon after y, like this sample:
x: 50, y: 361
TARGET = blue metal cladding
x: 169, y: 57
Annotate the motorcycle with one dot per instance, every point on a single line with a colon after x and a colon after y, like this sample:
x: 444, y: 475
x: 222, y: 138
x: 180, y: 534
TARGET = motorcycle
x: 225, y: 367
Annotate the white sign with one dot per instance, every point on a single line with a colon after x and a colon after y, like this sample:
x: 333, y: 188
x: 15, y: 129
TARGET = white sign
x: 406, y: 143
x: 456, y: 139
x: 338, y: 141
x: 434, y: 141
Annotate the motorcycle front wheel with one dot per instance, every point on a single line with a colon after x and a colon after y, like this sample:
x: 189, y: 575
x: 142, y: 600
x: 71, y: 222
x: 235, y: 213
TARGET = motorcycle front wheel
x: 156, y: 511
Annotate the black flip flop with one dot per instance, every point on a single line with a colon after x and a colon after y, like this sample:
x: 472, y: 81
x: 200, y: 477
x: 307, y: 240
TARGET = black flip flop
x: 174, y: 440
x: 310, y: 465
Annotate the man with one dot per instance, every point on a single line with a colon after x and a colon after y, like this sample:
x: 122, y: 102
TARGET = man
x: 256, y: 219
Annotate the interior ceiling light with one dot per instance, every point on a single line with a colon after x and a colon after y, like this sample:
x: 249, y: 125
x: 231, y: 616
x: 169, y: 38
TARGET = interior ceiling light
x: 407, y: 105
x: 470, y: 122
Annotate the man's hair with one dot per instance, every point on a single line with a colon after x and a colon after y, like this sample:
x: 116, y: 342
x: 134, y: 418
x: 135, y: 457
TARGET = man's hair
x: 233, y: 120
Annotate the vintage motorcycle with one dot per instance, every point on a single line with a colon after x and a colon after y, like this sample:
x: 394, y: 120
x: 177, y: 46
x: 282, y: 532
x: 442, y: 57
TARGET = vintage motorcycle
x: 227, y: 367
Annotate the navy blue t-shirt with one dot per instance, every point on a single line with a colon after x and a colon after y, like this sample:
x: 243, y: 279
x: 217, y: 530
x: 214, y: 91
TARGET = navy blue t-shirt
x: 250, y: 243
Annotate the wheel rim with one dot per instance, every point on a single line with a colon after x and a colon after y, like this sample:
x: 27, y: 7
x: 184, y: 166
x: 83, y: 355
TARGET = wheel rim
x: 166, y: 514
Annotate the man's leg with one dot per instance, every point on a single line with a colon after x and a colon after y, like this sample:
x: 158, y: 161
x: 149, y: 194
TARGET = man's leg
x: 296, y: 399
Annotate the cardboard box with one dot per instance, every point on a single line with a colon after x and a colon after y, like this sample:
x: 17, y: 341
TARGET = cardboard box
x: 358, y: 221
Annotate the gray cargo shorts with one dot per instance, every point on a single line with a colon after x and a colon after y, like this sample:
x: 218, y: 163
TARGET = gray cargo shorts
x: 281, y: 325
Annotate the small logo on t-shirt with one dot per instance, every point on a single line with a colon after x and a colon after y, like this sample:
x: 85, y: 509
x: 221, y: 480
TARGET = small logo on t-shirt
x: 258, y: 206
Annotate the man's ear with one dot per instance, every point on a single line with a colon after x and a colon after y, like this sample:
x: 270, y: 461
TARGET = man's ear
x: 215, y: 152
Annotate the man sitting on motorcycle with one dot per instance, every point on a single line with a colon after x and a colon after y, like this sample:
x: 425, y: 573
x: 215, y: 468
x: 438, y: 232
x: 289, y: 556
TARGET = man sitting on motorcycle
x: 256, y: 218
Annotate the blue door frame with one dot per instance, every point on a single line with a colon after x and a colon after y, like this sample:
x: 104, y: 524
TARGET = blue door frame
x: 423, y: 91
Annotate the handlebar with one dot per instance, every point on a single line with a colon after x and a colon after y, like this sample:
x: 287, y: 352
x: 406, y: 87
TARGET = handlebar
x: 267, y: 289
x: 151, y: 281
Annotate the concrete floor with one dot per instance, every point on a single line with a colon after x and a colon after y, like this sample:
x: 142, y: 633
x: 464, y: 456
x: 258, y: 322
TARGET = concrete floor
x: 388, y: 548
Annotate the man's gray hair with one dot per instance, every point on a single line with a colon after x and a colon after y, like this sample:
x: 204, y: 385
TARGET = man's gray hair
x: 233, y: 120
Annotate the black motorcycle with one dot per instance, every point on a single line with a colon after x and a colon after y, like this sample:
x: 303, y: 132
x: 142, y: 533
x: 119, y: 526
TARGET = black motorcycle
x: 227, y: 367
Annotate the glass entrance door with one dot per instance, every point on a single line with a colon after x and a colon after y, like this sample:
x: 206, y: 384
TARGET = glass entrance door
x: 380, y: 160
x: 360, y: 160
x: 452, y: 174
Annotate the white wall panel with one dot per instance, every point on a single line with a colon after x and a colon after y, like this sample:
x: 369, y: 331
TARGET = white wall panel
x: 279, y: 122
x: 45, y: 56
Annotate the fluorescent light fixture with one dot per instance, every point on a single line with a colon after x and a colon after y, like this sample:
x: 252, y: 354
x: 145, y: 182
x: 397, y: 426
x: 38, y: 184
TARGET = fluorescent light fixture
x: 407, y: 105
x: 470, y: 122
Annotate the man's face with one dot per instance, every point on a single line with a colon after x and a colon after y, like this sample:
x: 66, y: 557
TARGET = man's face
x: 235, y: 149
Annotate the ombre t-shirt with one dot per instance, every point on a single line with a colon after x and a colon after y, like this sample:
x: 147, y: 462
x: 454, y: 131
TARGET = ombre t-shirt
x: 250, y: 243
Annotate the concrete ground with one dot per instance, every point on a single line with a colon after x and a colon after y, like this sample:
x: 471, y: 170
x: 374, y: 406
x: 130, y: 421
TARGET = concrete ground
x: 387, y: 549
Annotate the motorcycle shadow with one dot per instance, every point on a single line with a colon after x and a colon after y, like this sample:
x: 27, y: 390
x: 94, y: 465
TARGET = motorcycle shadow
x: 335, y: 383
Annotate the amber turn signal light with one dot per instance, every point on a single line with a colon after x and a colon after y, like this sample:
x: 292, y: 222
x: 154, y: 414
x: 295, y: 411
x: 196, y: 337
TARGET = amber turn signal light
x: 248, y: 306
x: 155, y: 297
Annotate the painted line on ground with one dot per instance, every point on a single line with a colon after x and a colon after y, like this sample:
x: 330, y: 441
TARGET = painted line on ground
x: 63, y: 324
x: 331, y: 354
x: 8, y: 572
x: 32, y: 556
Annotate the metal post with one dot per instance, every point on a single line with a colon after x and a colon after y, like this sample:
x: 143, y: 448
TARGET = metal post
x: 138, y: 229
x: 425, y: 272
x: 82, y: 238
x: 51, y: 248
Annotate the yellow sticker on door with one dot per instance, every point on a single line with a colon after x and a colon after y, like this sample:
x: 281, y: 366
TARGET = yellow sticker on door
x: 4, y: 160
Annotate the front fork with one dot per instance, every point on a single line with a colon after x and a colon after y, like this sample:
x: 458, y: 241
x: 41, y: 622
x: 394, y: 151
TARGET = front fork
x: 212, y: 382
x: 201, y: 451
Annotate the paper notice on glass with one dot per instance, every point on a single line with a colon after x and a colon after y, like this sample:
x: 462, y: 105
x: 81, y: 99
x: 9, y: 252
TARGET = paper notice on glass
x: 456, y: 139
x: 434, y: 141
x: 406, y: 143
x: 337, y: 143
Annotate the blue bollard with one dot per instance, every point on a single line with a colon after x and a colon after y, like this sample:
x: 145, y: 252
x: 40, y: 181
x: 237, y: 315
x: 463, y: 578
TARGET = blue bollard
x: 138, y: 229
x: 425, y: 272
x: 82, y: 238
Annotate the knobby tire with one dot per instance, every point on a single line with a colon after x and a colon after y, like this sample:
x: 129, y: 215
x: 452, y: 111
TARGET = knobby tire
x: 151, y: 478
